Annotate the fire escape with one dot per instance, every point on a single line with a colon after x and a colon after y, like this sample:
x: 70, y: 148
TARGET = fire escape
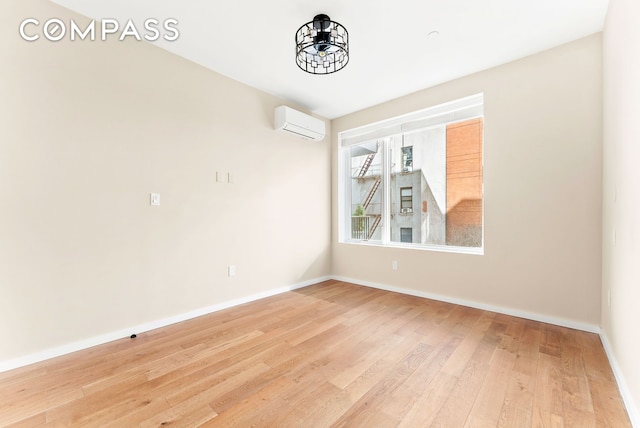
x: 372, y: 192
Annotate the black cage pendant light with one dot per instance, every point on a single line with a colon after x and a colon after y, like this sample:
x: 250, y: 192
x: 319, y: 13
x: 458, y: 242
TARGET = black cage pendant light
x: 322, y: 46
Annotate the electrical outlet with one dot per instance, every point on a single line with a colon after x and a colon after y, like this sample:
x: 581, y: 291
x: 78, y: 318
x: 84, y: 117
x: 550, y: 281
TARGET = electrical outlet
x: 394, y: 265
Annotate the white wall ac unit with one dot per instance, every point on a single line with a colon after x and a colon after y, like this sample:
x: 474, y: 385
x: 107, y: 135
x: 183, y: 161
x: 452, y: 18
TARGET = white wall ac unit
x: 297, y: 123
x: 406, y: 210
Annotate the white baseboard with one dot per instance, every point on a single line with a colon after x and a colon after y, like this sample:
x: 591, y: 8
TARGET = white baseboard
x: 591, y: 328
x: 632, y: 410
x: 119, y: 334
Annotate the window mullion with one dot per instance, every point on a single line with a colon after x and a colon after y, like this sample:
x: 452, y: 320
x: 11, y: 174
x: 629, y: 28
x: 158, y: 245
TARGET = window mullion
x: 386, y: 191
x: 344, y: 182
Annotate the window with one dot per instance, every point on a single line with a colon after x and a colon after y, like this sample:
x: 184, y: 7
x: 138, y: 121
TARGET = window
x: 421, y: 172
x: 407, y: 159
x: 406, y: 234
x: 406, y: 200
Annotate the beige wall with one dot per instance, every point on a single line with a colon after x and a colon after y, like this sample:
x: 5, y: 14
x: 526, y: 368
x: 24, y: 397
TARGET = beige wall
x: 87, y: 131
x: 542, y: 184
x: 621, y: 197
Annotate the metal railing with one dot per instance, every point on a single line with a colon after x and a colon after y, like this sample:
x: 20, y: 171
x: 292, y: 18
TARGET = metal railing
x: 360, y: 227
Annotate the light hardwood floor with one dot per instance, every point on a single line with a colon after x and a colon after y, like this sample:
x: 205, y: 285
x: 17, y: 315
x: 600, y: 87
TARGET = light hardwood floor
x: 332, y: 354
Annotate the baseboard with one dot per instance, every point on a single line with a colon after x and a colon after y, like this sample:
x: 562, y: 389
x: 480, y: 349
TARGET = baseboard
x: 632, y: 410
x: 591, y: 328
x: 119, y: 334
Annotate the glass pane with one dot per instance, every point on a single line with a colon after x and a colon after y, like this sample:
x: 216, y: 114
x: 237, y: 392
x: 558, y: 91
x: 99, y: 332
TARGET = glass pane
x: 418, y: 187
x: 406, y: 234
x: 436, y: 185
x: 365, y: 161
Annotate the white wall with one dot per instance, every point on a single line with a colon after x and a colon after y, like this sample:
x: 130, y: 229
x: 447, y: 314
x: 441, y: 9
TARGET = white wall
x: 621, y: 197
x: 87, y: 131
x: 542, y: 181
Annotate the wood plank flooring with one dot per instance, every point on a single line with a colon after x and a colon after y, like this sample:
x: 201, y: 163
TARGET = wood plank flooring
x: 329, y: 355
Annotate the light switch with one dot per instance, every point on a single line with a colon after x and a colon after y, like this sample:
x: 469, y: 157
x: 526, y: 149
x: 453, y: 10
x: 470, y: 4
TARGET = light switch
x: 155, y: 199
x: 231, y: 178
x: 221, y: 177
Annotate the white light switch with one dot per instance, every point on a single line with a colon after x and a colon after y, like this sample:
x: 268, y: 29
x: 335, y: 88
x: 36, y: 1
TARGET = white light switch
x: 221, y: 177
x: 155, y: 199
x: 231, y: 178
x: 232, y: 270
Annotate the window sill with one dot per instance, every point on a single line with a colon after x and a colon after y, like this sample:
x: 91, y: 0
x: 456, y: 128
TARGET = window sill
x: 479, y: 251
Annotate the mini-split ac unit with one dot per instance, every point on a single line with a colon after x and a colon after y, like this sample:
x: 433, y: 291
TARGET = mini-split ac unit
x: 406, y: 210
x: 297, y: 123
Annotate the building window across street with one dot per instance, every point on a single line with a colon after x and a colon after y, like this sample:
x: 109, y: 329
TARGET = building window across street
x: 406, y: 200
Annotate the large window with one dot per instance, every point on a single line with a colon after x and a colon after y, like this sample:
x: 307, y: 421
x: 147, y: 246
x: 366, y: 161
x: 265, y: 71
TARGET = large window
x: 415, y: 180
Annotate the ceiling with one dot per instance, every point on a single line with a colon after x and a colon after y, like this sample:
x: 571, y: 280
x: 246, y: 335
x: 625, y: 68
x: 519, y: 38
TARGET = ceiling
x: 391, y: 50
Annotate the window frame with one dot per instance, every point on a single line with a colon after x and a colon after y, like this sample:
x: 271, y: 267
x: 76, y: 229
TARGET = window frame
x: 455, y: 111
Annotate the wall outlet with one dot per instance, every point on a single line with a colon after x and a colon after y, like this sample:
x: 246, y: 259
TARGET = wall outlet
x: 231, y: 271
x: 394, y: 265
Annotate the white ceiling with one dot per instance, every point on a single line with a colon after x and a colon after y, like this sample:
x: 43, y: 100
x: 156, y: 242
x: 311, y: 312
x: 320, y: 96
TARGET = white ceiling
x: 391, y: 52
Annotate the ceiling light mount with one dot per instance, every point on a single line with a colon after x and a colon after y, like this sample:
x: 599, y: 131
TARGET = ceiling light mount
x: 322, y: 46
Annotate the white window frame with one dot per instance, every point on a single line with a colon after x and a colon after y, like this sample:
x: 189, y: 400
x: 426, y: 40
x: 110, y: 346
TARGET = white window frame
x: 455, y: 111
